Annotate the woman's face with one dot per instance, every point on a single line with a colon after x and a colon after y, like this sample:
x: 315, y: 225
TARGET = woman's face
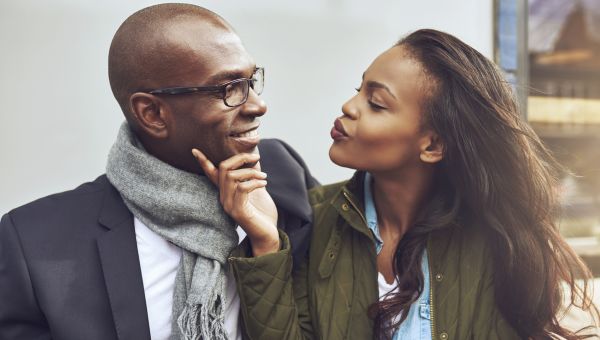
x: 380, y: 129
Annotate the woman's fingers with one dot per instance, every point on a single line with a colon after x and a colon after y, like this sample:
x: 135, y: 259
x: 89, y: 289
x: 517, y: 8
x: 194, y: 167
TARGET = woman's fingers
x: 257, y: 166
x: 244, y: 188
x: 238, y: 179
x: 240, y: 197
x: 242, y: 167
x: 227, y: 187
x: 232, y: 179
x: 238, y: 161
x: 242, y: 175
x: 218, y: 175
x: 207, y: 166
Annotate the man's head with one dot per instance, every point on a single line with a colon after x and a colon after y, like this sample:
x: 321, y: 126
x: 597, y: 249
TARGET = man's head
x: 181, y: 45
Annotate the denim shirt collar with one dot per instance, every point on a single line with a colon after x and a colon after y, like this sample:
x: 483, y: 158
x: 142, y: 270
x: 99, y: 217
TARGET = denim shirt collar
x: 370, y: 212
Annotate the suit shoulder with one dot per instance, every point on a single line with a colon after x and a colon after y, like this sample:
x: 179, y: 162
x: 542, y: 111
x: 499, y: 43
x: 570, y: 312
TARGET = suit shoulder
x: 276, y: 148
x: 284, y: 165
x: 273, y: 147
x: 273, y: 142
x: 61, y: 204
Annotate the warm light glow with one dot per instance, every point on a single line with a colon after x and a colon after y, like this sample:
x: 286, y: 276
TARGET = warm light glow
x: 558, y: 58
x: 563, y: 110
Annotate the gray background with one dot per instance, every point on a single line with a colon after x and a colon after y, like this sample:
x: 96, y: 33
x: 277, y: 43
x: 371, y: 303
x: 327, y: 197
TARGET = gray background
x: 59, y: 118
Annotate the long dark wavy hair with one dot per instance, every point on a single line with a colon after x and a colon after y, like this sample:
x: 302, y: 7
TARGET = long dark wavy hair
x: 497, y: 173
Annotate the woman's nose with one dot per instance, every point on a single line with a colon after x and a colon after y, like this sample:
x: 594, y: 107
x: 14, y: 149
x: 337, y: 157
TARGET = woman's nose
x: 349, y: 108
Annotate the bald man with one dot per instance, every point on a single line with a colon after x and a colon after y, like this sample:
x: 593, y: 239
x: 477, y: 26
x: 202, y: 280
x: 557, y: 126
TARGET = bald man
x: 141, y: 252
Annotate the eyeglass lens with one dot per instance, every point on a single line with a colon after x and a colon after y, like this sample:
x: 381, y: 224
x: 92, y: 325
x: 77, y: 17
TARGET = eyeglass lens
x: 236, y: 93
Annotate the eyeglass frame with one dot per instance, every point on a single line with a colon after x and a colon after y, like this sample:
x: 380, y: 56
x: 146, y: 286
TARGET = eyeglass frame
x: 213, y: 88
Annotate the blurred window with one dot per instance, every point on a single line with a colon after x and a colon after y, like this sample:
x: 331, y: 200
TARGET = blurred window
x: 562, y: 99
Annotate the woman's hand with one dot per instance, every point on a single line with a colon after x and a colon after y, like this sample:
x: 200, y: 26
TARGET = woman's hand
x: 243, y: 196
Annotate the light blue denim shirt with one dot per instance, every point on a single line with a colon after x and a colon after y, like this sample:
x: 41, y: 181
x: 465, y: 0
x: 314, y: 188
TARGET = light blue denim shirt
x: 417, y: 325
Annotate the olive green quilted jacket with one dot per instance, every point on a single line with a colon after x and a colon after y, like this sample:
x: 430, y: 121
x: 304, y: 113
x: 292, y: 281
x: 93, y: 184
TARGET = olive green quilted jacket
x: 327, y: 296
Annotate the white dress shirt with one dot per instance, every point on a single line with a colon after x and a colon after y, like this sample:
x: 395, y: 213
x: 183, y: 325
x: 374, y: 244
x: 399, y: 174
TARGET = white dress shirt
x: 159, y: 261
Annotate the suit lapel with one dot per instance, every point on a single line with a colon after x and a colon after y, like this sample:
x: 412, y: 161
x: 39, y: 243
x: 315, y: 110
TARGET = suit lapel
x: 288, y: 182
x: 121, y: 268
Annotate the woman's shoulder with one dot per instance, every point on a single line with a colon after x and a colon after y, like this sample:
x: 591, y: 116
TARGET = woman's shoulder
x: 464, y: 231
x: 466, y: 243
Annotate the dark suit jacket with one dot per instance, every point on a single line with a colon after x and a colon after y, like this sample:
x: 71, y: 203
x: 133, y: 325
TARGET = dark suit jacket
x: 69, y: 267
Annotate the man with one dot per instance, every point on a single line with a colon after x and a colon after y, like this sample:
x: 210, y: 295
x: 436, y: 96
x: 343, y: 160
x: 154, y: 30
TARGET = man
x: 141, y: 252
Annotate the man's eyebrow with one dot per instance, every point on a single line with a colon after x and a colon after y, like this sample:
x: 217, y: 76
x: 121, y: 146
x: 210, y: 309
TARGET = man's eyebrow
x: 378, y: 85
x: 226, y: 76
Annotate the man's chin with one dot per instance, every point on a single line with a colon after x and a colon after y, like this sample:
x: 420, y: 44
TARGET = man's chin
x: 233, y: 150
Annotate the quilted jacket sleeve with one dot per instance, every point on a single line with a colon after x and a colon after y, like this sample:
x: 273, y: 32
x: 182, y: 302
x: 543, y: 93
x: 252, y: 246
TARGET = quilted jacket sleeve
x: 274, y: 299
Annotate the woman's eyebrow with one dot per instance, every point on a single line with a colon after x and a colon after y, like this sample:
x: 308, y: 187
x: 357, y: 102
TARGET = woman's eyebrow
x: 378, y: 85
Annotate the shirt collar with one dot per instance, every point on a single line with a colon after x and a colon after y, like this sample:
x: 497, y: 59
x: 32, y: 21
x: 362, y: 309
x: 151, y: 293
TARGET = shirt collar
x: 371, y: 212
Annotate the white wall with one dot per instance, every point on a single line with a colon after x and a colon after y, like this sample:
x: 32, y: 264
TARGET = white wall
x: 59, y: 119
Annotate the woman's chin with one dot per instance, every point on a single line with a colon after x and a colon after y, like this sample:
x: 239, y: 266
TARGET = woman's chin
x: 341, y: 158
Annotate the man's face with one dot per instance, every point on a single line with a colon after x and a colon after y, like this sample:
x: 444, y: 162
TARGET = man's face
x: 202, y: 120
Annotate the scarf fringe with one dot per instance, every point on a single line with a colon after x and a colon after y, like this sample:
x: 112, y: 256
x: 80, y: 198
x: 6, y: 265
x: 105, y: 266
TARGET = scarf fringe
x: 197, y: 322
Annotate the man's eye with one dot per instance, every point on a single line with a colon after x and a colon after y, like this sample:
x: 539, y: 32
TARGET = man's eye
x: 357, y: 89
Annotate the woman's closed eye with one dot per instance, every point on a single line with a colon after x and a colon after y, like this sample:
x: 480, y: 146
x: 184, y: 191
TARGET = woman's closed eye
x: 376, y: 107
x: 372, y: 104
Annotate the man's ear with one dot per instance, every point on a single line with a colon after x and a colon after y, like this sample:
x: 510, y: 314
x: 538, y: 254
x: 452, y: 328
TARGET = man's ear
x: 150, y: 114
x: 432, y: 148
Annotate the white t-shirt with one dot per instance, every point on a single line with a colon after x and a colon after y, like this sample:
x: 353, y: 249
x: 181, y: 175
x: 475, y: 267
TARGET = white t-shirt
x: 159, y: 261
x: 385, y: 287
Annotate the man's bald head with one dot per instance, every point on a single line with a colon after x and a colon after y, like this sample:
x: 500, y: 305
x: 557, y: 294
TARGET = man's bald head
x: 147, y: 46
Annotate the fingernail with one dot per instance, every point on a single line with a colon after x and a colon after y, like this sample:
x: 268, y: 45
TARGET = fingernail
x: 263, y: 174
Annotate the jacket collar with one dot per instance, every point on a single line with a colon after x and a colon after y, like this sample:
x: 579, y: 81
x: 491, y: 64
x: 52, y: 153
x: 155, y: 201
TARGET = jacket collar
x: 350, y: 204
x: 114, y: 213
x: 121, y: 268
x: 355, y: 189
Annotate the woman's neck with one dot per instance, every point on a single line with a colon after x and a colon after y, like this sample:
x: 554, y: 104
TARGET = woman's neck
x: 399, y: 197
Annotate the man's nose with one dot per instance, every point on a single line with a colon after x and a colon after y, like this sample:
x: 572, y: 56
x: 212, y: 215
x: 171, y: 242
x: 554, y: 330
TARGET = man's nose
x: 254, y: 106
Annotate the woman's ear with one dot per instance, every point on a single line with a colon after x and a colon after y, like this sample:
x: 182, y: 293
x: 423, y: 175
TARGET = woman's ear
x: 150, y: 114
x: 432, y: 148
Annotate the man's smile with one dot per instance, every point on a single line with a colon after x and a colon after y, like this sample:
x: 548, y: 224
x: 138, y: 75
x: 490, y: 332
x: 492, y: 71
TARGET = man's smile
x: 247, y: 138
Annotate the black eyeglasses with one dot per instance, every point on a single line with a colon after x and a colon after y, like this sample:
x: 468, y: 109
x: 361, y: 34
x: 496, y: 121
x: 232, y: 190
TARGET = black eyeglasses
x: 234, y: 93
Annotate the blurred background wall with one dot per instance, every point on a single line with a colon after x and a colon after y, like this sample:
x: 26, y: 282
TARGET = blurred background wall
x: 59, y: 119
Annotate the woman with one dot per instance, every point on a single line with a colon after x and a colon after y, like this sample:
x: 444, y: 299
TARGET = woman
x: 446, y: 231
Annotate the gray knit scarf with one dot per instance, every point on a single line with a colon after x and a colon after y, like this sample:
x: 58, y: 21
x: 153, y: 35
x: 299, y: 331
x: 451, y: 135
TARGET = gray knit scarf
x: 183, y: 208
